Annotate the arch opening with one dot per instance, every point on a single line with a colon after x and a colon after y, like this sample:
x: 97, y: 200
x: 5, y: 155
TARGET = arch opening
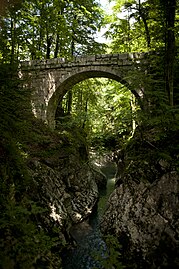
x: 73, y: 79
x: 101, y: 108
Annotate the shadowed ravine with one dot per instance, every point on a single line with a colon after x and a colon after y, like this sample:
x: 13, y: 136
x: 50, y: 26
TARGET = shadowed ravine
x: 87, y: 234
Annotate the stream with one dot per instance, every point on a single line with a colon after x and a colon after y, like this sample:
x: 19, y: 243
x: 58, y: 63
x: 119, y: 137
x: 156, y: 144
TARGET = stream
x: 91, y: 248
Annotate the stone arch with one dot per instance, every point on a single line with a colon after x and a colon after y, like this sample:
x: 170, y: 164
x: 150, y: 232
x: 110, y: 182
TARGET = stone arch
x: 50, y: 79
x: 68, y: 81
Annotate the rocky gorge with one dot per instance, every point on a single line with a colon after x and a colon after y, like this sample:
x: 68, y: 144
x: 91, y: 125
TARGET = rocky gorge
x: 143, y: 210
x: 65, y: 182
x: 63, y: 187
x: 50, y: 185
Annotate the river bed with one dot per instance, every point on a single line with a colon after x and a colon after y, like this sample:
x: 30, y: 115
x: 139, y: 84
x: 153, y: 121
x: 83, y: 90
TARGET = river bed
x: 91, y: 248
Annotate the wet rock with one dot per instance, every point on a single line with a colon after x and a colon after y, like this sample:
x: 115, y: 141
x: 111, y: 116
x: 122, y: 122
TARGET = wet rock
x: 100, y: 177
x: 80, y: 230
x: 145, y: 217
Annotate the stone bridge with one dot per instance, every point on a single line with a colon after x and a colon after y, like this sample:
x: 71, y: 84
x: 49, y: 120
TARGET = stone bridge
x: 51, y: 79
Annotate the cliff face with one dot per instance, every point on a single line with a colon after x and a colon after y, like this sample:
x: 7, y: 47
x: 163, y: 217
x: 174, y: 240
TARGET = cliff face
x: 143, y: 210
x: 64, y: 180
x: 145, y: 218
x: 70, y: 192
x: 47, y: 186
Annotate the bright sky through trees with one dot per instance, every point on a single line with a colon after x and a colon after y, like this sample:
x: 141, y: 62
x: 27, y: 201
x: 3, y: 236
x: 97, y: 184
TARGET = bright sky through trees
x: 108, y: 9
x: 108, y: 5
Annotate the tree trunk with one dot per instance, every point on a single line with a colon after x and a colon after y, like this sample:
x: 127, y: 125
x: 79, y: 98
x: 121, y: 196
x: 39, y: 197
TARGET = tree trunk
x: 57, y: 46
x: 86, y: 110
x: 143, y: 17
x: 169, y: 11
x: 69, y: 102
x: 12, y: 40
x: 49, y: 43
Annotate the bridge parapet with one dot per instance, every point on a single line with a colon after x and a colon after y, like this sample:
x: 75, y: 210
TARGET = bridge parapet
x: 122, y: 59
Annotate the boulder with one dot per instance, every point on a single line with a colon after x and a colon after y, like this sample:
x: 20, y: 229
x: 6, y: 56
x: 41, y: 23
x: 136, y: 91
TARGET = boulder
x: 145, y: 218
x: 70, y: 193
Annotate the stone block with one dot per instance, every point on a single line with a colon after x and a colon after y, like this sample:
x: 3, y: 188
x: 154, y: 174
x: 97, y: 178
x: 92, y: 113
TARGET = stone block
x: 50, y: 61
x: 91, y: 58
x: 123, y: 56
x: 131, y: 55
x: 98, y: 62
x: 127, y: 62
x: 38, y: 67
x: 25, y: 63
x: 60, y: 60
x: 58, y: 66
x: 106, y: 56
x: 115, y: 55
x: 97, y: 56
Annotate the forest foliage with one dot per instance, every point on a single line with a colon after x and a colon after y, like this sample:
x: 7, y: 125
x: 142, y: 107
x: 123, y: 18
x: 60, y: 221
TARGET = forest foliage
x: 106, y: 110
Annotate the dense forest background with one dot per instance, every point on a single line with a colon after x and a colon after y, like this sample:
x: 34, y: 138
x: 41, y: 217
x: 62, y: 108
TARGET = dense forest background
x: 105, y: 110
x: 49, y: 29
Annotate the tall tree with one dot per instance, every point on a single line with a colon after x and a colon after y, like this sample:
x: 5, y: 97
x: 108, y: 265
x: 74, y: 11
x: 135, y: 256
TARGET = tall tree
x: 46, y: 29
x: 169, y: 12
x: 152, y: 26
